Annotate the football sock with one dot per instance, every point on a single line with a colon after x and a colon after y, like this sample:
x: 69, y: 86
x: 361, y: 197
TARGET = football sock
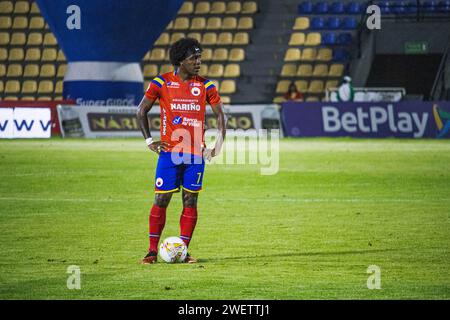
x: 156, y: 221
x: 188, y: 220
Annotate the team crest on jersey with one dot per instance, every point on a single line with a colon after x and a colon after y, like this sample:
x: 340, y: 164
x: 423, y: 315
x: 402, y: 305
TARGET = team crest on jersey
x: 195, y: 91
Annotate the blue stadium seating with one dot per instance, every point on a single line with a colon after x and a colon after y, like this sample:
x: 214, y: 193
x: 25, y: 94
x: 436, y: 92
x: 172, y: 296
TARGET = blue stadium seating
x: 321, y: 8
x: 329, y: 38
x: 305, y: 7
x: 317, y: 23
x: 385, y: 7
x: 400, y: 7
x: 355, y: 8
x: 333, y: 23
x: 430, y: 5
x: 444, y: 6
x: 345, y: 39
x: 340, y: 55
x: 349, y: 23
x: 337, y: 8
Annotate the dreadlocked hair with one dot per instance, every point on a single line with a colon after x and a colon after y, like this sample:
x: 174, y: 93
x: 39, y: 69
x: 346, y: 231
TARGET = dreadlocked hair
x: 177, y: 51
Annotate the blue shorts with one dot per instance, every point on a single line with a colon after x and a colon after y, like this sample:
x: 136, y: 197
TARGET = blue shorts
x: 176, y: 170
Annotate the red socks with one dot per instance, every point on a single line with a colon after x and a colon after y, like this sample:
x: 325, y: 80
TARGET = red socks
x: 156, y: 222
x: 188, y: 220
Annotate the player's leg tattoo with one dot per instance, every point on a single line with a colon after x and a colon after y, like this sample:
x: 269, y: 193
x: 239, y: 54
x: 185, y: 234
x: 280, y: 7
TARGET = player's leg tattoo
x: 162, y: 200
x: 189, y: 199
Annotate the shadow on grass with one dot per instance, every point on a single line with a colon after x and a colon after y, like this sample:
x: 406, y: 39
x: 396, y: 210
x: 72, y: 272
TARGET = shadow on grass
x: 298, y: 254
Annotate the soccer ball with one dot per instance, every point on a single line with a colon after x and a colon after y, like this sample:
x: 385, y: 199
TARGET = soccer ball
x: 172, y: 250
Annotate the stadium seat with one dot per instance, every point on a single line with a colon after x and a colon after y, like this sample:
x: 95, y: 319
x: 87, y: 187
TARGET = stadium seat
x: 34, y: 39
x: 301, y: 23
x: 61, y: 56
x: 341, y: 55
x: 209, y: 39
x: 321, y: 8
x: 49, y: 54
x: 14, y: 70
x: 4, y: 38
x: 317, y: 23
x: 309, y: 54
x: 399, y: 7
x: 5, y: 22
x: 157, y: 54
x: 207, y: 54
x: 236, y: 55
x: 241, y: 38
x: 174, y: 37
x: 225, y: 39
x: 306, y: 7
x: 430, y: 5
x: 304, y: 70
x: 315, y: 86
x: 282, y: 86
x: 229, y: 23
x: 163, y: 39
x: 203, y: 69
x: 37, y: 23
x: 33, y: 54
x: 16, y: 54
x: 220, y: 54
x: 345, y: 38
x: 444, y: 6
x: 150, y: 71
x: 214, y: 23
x: 245, y: 23
x: 313, y: 39
x: 20, y: 22
x: 6, y: 7
x: 215, y: 70
x: 49, y: 39
x: 18, y: 38
x: 312, y: 99
x: 329, y: 38
x: 324, y: 54
x: 181, y: 23
x: 233, y: 7
x: 29, y: 86
x: 297, y: 39
x: 232, y: 70
x: 202, y: 7
x: 320, y: 70
x: 333, y: 23
x: 302, y: 85
x: 279, y: 99
x: 22, y: 7
x: 349, y: 23
x: 289, y: 70
x: 228, y: 86
x: 195, y: 35
x: 292, y: 54
x: 3, y: 54
x: 385, y: 6
x: 62, y: 68
x: 218, y: 7
x: 336, y: 70
x: 166, y: 68
x: 337, y: 8
x: 198, y: 23
x: 354, y: 8
x: 59, y: 87
x: 12, y: 86
x: 331, y: 84
x: 186, y: 8
x: 31, y: 70
x: 249, y: 7
x: 2, y: 70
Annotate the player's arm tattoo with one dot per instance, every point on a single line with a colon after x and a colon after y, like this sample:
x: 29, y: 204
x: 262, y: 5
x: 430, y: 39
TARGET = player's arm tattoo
x: 144, y: 107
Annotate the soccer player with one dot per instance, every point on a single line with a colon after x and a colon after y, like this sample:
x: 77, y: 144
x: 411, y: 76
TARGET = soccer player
x: 182, y: 95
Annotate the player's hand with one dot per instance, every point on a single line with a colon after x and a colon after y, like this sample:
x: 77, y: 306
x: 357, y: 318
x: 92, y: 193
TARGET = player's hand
x: 208, y: 154
x: 158, y: 146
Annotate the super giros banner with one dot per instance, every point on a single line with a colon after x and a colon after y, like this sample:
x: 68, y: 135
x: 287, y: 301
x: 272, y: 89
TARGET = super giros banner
x: 104, y: 42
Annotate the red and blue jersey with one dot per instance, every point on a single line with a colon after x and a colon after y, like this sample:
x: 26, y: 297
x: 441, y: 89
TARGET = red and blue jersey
x: 183, y: 106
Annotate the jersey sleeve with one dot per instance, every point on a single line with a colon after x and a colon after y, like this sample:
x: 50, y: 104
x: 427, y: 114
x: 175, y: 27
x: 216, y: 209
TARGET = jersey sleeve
x: 154, y: 88
x: 212, y: 96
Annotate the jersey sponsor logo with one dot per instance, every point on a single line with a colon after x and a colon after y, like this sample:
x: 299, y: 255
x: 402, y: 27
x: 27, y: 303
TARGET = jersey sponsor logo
x: 164, y: 128
x: 173, y: 84
x: 191, y: 122
x: 185, y: 106
x: 176, y: 120
x: 195, y: 91
x: 195, y: 84
x: 159, y: 182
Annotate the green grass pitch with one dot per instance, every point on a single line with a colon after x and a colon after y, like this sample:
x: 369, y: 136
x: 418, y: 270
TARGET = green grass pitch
x: 311, y: 231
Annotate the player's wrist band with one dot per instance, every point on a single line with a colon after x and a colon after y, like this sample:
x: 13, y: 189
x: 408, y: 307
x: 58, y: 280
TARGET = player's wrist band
x: 149, y: 141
